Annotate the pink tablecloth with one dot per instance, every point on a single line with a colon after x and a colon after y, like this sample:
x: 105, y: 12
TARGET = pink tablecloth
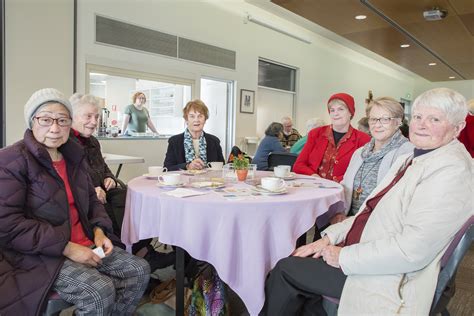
x: 242, y: 239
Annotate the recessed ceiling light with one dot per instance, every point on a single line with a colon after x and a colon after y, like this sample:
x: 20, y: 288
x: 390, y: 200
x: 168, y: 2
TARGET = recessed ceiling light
x: 452, y: 77
x: 432, y: 64
x: 405, y: 45
x: 361, y: 17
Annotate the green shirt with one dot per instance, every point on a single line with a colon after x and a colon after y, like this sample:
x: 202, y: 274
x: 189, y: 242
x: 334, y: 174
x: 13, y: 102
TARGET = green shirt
x: 138, y: 119
x: 298, y: 146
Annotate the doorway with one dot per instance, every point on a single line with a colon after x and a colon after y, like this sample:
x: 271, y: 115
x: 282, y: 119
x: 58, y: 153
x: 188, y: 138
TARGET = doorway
x: 218, y: 95
x: 273, y: 104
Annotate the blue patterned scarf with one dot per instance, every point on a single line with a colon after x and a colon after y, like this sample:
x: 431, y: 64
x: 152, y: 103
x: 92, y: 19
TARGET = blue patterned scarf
x: 189, y: 148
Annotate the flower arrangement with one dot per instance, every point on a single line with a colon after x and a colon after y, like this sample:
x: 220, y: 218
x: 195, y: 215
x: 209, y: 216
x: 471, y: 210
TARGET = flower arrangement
x: 240, y: 162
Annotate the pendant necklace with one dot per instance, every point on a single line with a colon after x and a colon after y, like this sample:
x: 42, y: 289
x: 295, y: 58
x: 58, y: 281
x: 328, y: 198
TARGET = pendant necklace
x: 359, y: 190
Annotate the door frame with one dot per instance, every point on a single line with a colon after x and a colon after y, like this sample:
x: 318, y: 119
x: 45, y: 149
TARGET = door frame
x: 230, y: 119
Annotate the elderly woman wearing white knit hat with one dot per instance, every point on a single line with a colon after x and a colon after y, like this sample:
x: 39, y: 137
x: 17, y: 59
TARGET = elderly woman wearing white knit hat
x: 51, y: 220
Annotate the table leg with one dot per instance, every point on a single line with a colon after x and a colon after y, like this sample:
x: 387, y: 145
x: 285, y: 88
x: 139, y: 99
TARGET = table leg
x: 118, y: 170
x: 179, y: 281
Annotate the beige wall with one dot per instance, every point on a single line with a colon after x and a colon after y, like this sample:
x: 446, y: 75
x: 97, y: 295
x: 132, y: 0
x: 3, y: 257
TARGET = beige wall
x: 38, y: 52
x: 324, y: 67
x: 466, y: 87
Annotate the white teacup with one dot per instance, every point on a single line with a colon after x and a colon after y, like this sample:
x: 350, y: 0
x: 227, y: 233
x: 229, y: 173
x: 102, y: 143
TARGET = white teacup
x: 156, y: 170
x: 282, y: 171
x: 272, y: 183
x: 170, y: 179
x: 215, y: 165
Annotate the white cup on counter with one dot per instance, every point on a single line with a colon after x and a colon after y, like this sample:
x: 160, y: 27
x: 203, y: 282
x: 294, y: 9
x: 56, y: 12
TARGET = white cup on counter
x: 156, y: 170
x: 282, y: 171
x: 272, y: 183
x: 170, y: 179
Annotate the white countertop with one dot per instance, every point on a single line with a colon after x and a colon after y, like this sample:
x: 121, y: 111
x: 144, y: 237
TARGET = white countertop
x: 113, y: 159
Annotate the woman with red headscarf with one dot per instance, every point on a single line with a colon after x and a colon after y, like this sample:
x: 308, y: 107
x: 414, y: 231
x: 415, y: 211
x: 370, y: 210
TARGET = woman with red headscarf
x: 329, y: 148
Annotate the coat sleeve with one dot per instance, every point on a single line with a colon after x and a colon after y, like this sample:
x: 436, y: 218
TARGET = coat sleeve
x: 19, y: 232
x: 439, y: 206
x: 106, y: 169
x: 171, y: 159
x: 301, y: 165
x: 97, y: 215
x: 337, y: 232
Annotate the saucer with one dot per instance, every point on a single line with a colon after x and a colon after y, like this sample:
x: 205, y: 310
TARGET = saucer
x: 170, y: 186
x: 150, y: 176
x: 207, y: 185
x: 194, y: 172
x: 292, y: 176
x: 262, y: 190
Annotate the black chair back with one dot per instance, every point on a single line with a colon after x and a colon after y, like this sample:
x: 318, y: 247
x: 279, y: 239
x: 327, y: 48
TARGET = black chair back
x: 276, y: 159
x: 449, y: 264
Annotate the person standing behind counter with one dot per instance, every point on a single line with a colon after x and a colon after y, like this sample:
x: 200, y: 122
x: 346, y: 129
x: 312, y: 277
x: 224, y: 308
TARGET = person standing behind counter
x: 194, y: 148
x: 136, y: 117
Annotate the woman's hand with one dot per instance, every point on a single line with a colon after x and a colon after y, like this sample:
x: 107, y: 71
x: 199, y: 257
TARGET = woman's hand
x: 331, y: 255
x: 81, y: 254
x: 337, y: 218
x: 314, y: 248
x: 109, y: 183
x: 100, y: 240
x: 100, y: 195
x: 196, y: 164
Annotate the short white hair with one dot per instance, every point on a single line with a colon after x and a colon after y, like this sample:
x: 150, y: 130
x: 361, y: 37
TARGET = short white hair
x: 78, y: 100
x: 313, y: 123
x: 286, y: 119
x: 451, y: 102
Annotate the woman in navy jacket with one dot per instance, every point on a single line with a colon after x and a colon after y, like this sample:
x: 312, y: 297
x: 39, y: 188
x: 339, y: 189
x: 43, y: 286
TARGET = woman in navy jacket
x: 194, y: 148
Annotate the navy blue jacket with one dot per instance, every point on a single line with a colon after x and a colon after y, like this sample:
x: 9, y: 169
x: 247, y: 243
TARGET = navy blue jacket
x: 269, y: 144
x: 175, y: 157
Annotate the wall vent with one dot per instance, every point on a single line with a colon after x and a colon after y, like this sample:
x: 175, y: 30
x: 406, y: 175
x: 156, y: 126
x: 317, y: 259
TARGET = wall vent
x: 113, y: 32
x: 206, y: 54
x: 121, y: 34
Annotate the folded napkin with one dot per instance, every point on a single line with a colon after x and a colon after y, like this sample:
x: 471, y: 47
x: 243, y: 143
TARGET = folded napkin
x: 181, y: 193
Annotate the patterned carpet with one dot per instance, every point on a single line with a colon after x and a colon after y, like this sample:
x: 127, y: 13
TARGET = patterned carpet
x: 462, y: 304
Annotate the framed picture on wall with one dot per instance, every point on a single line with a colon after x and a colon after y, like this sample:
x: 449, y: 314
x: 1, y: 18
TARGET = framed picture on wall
x: 247, y: 101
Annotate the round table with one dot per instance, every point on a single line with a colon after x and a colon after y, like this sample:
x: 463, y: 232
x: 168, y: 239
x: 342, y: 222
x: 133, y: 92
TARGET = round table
x: 242, y: 238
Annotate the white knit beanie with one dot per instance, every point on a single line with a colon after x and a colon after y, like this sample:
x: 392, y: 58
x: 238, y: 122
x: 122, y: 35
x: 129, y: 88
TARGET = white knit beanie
x: 41, y: 97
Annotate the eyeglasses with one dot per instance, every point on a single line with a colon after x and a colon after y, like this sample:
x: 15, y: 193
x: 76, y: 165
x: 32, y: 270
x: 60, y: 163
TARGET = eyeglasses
x: 49, y: 121
x: 382, y: 120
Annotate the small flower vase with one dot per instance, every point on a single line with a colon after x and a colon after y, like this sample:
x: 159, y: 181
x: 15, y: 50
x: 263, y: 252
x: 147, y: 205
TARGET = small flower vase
x: 242, y: 174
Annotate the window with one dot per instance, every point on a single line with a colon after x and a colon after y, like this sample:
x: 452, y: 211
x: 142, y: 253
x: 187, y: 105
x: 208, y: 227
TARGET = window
x: 165, y: 97
x: 277, y: 76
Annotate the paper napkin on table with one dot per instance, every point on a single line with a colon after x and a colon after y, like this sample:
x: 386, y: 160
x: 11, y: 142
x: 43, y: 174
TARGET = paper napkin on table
x: 181, y: 193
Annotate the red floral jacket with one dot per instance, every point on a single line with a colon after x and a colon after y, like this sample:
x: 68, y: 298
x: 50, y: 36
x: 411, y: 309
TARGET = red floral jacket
x: 320, y: 155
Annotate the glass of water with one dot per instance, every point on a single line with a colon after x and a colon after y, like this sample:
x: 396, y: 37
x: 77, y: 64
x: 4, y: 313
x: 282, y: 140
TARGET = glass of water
x: 252, y: 171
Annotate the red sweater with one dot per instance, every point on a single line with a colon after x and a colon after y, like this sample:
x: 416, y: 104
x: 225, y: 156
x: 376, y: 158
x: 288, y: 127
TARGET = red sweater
x: 77, y: 232
x: 312, y: 155
x: 467, y: 135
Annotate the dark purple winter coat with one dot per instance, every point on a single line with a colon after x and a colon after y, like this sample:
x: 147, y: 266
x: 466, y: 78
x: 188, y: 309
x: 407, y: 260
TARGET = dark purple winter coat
x: 34, y: 220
